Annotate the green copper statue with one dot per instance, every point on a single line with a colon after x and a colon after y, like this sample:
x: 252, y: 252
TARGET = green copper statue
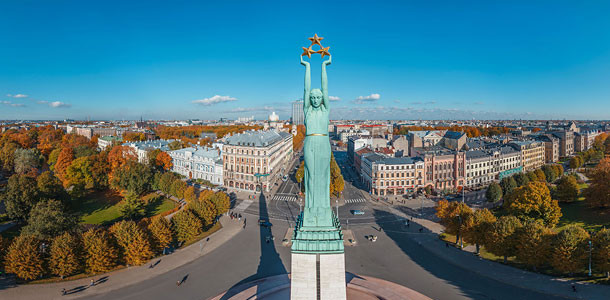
x: 316, y: 151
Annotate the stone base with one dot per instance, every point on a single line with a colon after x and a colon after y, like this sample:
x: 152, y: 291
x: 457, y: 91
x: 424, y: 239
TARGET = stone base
x: 305, y: 271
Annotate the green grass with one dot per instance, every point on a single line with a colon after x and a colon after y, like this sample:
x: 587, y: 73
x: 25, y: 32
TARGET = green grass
x: 103, y: 208
x: 579, y: 213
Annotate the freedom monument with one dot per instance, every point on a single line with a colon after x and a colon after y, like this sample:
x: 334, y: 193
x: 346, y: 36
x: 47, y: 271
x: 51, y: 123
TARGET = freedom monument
x: 318, y: 260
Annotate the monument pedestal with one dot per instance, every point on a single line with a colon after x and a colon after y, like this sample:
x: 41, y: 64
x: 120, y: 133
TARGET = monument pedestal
x: 318, y: 262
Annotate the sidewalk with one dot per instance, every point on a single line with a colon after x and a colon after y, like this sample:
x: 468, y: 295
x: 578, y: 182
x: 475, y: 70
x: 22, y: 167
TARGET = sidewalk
x: 502, y: 273
x: 128, y: 276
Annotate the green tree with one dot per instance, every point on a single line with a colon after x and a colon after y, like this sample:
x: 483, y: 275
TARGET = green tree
x: 53, y: 157
x: 100, y: 254
x: 477, y: 226
x: 494, y: 192
x: 570, y: 249
x: 79, y: 173
x: 161, y: 233
x: 533, y: 202
x: 133, y: 242
x: 27, y: 159
x: 550, y: 172
x: 508, y: 184
x: 65, y: 255
x: 7, y: 156
x: 48, y: 219
x: 540, y: 175
x: 166, y: 181
x: 558, y: 169
x: 20, y: 196
x: 576, y: 162
x: 501, y: 240
x: 132, y: 176
x: 186, y: 225
x: 23, y: 258
x: 521, y: 179
x: 533, y: 244
x: 567, y: 189
x: 49, y: 186
x: 133, y: 207
x: 178, y: 187
x: 531, y: 176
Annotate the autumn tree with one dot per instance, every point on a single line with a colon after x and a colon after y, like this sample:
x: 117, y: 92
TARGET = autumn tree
x: 494, y: 192
x: 501, y: 239
x: 533, y: 202
x: 119, y: 156
x: 64, y: 160
x: 508, y: 184
x: 161, y: 233
x: 164, y: 161
x: 477, y: 226
x: 570, y: 249
x: 186, y: 225
x: 567, y: 189
x: 7, y: 156
x: 177, y: 188
x: 453, y: 215
x: 576, y: 162
x: 189, y: 194
x: 100, y: 254
x: 65, y: 256
x: 20, y: 196
x: 601, y: 251
x: 134, y: 177
x: 598, y: 192
x: 165, y: 182
x: 100, y: 170
x: 533, y: 244
x: 133, y: 207
x: 531, y: 176
x: 550, y: 172
x: 133, y: 242
x: 205, y: 210
x: 221, y: 202
x: 48, y: 219
x: 79, y: 173
x: 540, y: 176
x: 23, y: 258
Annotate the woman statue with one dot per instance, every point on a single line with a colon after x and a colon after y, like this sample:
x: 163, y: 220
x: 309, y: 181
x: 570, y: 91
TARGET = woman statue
x: 316, y: 150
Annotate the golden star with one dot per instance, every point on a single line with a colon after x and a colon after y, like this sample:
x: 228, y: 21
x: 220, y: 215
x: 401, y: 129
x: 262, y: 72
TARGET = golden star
x: 316, y: 40
x: 308, y: 51
x: 324, y: 51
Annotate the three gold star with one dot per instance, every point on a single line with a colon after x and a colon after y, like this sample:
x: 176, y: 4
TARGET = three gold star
x: 315, y: 40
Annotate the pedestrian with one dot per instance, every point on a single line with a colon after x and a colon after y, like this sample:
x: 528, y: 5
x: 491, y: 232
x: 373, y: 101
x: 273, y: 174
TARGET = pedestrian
x: 63, y: 292
x: 421, y: 229
x: 573, y: 288
x: 178, y: 283
x: 92, y: 282
x: 446, y: 244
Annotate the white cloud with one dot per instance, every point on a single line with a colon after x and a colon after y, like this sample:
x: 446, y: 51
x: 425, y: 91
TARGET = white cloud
x: 333, y: 98
x: 58, y: 104
x: 17, y: 95
x: 9, y: 103
x: 214, y: 100
x: 370, y: 98
x: 42, y: 102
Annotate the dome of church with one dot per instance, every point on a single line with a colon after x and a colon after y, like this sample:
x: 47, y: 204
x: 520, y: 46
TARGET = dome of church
x: 273, y: 117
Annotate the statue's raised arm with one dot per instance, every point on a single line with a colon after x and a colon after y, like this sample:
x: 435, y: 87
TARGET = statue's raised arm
x: 325, y: 101
x: 307, y: 84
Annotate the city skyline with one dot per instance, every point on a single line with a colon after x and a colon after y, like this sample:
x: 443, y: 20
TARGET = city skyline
x: 391, y: 61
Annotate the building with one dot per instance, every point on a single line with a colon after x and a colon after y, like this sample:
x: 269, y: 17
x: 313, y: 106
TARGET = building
x: 401, y: 145
x: 429, y: 138
x: 254, y: 160
x: 392, y: 175
x: 551, y: 147
x: 106, y: 142
x: 483, y: 166
x: 141, y: 149
x: 358, y: 159
x: 298, y: 117
x: 344, y: 135
x: 532, y: 154
x: 198, y: 163
x: 445, y: 169
x: 89, y: 132
x: 566, y: 142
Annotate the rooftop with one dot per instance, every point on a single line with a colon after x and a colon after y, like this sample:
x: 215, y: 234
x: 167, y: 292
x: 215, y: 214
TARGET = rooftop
x: 257, y: 138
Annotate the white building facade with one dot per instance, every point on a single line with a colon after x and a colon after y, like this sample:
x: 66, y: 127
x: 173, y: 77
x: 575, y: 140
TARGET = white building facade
x: 198, y: 163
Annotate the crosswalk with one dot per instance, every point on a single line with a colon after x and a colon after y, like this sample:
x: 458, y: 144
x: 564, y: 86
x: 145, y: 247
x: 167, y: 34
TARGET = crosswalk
x: 243, y: 205
x: 288, y: 198
x: 359, y: 200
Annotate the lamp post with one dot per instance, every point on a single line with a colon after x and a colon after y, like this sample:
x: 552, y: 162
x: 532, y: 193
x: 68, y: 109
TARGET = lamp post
x: 590, y: 245
x: 337, y: 205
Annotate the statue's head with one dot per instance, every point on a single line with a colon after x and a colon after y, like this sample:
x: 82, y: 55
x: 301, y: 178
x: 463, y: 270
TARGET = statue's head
x: 315, y: 97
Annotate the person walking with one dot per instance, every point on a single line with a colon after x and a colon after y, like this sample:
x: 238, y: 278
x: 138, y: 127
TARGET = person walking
x: 92, y: 283
x: 178, y: 283
x: 63, y: 292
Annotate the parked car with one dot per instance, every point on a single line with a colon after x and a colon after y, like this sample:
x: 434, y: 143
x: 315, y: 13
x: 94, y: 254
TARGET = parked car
x: 357, y: 212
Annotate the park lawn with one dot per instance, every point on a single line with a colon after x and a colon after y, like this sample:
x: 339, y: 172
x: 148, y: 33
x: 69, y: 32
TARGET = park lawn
x: 579, y: 213
x: 103, y: 208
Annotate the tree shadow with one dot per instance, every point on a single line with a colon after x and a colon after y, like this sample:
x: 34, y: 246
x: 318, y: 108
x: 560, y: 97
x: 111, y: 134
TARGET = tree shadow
x: 471, y: 284
x: 270, y: 262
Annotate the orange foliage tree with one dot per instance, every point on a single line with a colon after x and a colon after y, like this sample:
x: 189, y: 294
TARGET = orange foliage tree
x: 64, y: 160
x: 164, y: 161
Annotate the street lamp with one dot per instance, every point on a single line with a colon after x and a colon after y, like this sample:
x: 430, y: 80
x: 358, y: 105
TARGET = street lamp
x: 590, y: 245
x: 337, y: 204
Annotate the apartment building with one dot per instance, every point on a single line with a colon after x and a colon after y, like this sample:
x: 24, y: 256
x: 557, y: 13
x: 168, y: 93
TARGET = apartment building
x: 392, y: 175
x: 198, y: 163
x: 532, y: 154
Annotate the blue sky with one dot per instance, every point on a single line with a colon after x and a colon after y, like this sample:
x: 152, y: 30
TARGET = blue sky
x: 406, y: 59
